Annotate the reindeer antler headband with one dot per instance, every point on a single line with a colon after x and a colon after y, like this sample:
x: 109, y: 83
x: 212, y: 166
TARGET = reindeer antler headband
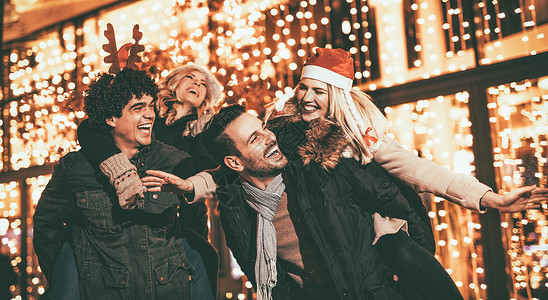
x: 119, y: 58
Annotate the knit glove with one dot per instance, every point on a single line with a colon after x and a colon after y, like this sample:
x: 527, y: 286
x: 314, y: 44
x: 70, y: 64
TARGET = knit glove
x: 122, y: 174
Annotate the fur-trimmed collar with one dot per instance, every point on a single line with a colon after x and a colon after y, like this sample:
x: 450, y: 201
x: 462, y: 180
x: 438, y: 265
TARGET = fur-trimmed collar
x: 319, y: 140
x: 276, y: 122
x: 325, y: 144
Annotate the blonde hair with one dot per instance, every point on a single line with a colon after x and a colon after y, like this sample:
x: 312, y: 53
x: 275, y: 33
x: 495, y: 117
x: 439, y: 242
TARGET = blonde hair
x: 340, y: 112
x: 169, y: 85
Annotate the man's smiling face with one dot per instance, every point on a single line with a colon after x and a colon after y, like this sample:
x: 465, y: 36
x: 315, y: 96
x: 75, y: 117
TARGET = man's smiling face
x: 133, y: 129
x: 259, y: 150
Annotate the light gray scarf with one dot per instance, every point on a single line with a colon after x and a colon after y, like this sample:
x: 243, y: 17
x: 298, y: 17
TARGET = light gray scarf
x: 265, y: 204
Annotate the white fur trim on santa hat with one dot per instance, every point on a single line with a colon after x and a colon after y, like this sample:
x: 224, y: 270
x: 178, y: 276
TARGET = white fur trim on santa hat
x: 327, y: 76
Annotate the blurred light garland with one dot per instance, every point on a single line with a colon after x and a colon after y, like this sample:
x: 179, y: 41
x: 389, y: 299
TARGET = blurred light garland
x: 256, y: 49
x: 519, y: 126
x: 439, y: 130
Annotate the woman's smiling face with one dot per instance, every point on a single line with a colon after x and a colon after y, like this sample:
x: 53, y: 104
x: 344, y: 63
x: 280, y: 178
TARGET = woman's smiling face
x: 313, y: 98
x: 192, y: 89
x: 189, y: 95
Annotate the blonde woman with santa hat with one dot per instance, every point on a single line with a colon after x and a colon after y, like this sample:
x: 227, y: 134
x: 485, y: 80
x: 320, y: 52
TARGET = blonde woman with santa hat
x: 185, y: 103
x: 325, y: 91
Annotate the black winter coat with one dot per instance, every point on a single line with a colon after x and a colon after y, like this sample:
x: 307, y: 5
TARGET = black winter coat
x: 173, y: 135
x: 337, y: 197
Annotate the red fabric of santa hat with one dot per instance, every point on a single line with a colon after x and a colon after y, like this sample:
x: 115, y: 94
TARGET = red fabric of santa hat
x: 332, y: 66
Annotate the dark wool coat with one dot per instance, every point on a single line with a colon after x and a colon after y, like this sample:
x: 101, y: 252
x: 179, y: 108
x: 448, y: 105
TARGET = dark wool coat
x: 337, y: 197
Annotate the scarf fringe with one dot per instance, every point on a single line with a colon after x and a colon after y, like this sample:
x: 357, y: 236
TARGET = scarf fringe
x: 264, y: 291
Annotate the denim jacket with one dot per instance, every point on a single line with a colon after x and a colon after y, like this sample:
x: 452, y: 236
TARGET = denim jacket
x: 120, y: 254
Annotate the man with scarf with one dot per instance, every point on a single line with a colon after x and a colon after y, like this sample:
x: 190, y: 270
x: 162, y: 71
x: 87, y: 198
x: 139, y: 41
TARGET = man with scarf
x: 303, y: 229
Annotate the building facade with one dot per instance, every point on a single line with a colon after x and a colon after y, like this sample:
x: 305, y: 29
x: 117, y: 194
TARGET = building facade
x: 463, y: 83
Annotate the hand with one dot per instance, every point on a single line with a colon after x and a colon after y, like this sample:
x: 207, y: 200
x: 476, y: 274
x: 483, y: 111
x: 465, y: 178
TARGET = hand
x: 520, y: 199
x: 160, y: 181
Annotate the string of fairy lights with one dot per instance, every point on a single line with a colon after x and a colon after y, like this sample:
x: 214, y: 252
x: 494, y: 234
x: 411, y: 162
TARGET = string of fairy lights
x: 439, y: 129
x: 500, y: 19
x: 256, y: 48
x: 518, y: 117
x: 37, y: 129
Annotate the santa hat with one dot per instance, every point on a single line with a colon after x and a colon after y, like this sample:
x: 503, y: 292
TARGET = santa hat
x: 335, y: 67
x: 332, y: 66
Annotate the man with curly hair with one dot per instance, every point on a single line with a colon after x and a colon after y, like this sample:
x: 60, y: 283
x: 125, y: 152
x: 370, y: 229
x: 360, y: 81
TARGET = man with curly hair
x: 129, y: 249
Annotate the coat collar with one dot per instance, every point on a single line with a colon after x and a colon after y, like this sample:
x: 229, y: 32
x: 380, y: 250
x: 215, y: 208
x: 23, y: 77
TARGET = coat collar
x: 325, y: 143
x: 320, y: 140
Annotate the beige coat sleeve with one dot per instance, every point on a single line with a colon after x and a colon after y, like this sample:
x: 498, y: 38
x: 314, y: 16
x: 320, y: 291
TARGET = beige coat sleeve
x: 204, y: 186
x: 426, y: 176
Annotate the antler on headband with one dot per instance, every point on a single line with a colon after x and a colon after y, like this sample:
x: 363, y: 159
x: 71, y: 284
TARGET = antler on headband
x: 133, y: 58
x: 119, y: 58
x: 111, y: 49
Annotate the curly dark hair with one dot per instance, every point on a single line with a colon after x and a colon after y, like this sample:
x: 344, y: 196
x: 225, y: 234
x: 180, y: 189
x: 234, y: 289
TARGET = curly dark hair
x: 107, y: 95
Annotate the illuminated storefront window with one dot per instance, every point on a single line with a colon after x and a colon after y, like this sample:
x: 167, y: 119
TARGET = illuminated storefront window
x: 503, y: 29
x: 256, y: 49
x: 519, y: 125
x: 10, y: 196
x: 510, y: 29
x: 36, y: 283
x: 439, y: 130
x: 11, y: 231
x: 10, y: 225
x: 40, y: 119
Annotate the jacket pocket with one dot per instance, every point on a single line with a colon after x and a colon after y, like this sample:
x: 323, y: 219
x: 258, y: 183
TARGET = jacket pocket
x: 97, y: 210
x: 164, y: 207
x: 105, y: 276
x: 158, y: 203
x: 173, y: 278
